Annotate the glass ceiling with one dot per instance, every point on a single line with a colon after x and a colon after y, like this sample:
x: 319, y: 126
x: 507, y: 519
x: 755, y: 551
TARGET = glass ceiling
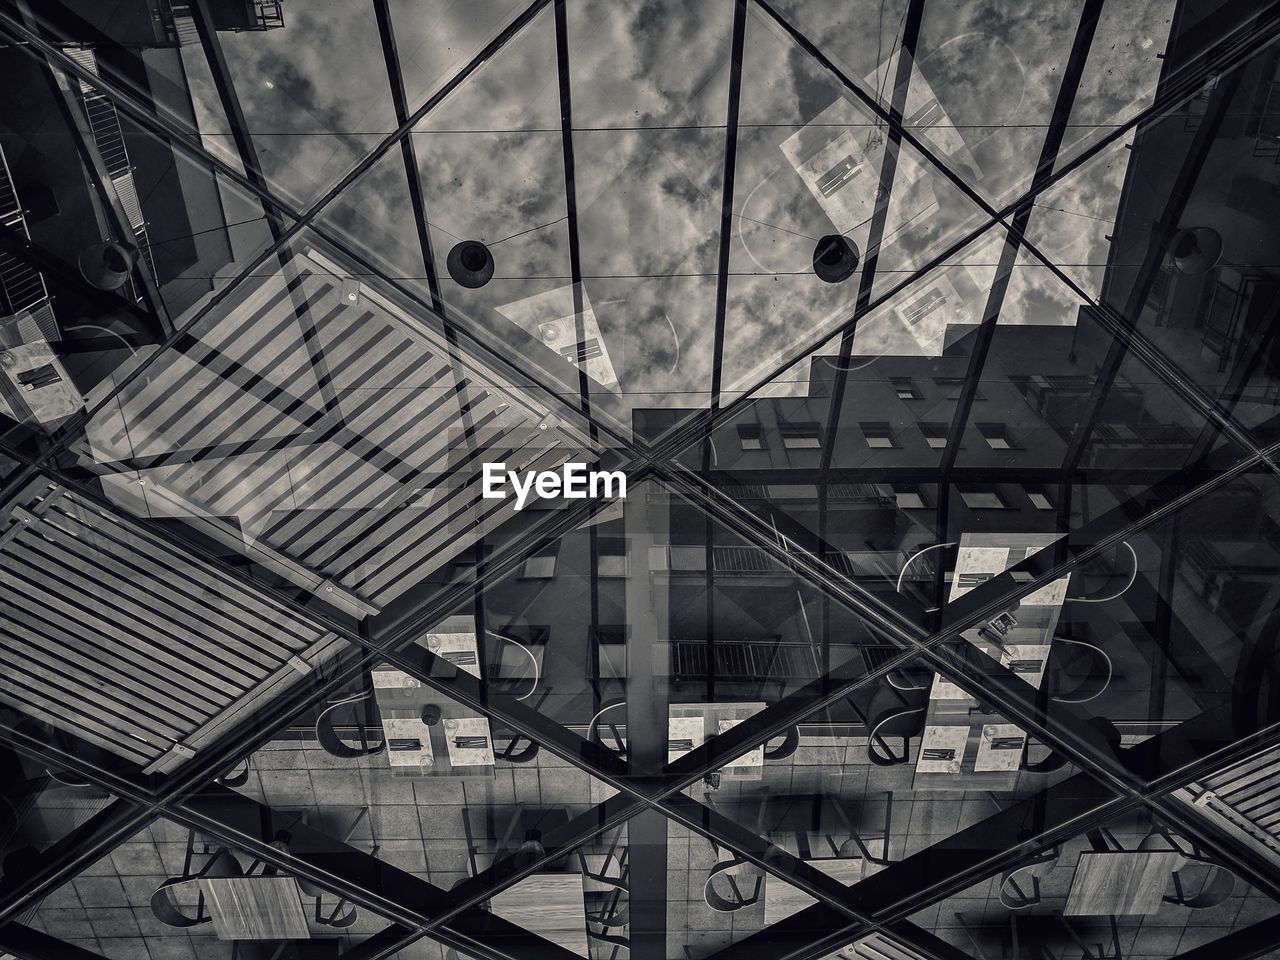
x: 935, y: 343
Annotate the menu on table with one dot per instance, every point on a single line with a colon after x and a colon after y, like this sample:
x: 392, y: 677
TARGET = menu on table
x: 1027, y: 660
x: 752, y: 758
x: 470, y: 744
x: 458, y: 648
x: 999, y: 748
x: 942, y: 749
x: 684, y: 734
x: 408, y: 742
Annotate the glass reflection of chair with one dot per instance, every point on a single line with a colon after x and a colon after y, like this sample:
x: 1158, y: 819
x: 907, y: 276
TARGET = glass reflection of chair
x: 517, y: 747
x: 343, y: 913
x: 605, y: 879
x: 1080, y: 675
x: 172, y: 898
x: 892, y: 714
x: 1020, y: 887
x: 331, y: 741
x: 727, y: 896
x: 1211, y: 882
x: 603, y: 728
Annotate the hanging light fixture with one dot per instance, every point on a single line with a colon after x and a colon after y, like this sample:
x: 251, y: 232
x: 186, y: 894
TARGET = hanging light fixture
x: 1196, y: 250
x: 835, y: 258
x: 470, y: 264
x: 107, y: 265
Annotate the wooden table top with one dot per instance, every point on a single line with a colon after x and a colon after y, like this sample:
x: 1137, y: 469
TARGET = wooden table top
x: 550, y: 905
x: 781, y: 900
x: 1120, y: 882
x: 256, y: 908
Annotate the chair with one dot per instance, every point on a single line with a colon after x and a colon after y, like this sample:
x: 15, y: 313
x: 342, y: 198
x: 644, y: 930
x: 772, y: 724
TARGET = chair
x: 335, y: 917
x: 789, y: 745
x: 729, y: 868
x: 516, y: 663
x: 605, y: 879
x: 890, y: 715
x: 1215, y: 886
x: 164, y: 902
x: 333, y: 744
x: 616, y: 743
x: 1090, y: 667
x: 1020, y: 887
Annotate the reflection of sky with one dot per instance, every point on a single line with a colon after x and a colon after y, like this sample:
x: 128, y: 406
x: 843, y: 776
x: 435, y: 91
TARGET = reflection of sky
x: 310, y: 120
x: 649, y: 84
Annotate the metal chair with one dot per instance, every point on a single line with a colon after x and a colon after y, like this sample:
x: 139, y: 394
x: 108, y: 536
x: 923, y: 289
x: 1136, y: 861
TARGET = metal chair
x: 736, y: 900
x: 1020, y: 887
x: 1091, y: 682
x: 789, y: 745
x: 328, y: 736
x: 617, y: 743
x: 164, y: 903
x: 336, y: 917
x: 1215, y: 886
x: 891, y: 716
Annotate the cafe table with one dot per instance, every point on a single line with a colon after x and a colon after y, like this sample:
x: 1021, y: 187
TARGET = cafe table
x: 962, y: 747
x: 690, y: 725
x: 551, y: 905
x: 458, y: 742
x: 1120, y: 883
x: 255, y: 907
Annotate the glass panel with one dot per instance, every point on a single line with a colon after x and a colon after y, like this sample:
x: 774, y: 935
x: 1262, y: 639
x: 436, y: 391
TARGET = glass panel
x: 434, y: 40
x: 1132, y: 888
x: 841, y: 453
x: 809, y: 167
x: 171, y: 891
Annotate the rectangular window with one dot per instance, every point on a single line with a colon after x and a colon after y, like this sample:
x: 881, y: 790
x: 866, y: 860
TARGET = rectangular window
x: 908, y: 498
x: 541, y: 566
x: 1039, y: 500
x: 935, y: 434
x: 980, y: 499
x: 996, y: 436
x: 905, y: 389
x: 801, y: 436
x: 877, y: 435
x: 751, y: 436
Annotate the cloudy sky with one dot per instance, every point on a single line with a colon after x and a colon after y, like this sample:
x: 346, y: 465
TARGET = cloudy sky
x: 649, y: 83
